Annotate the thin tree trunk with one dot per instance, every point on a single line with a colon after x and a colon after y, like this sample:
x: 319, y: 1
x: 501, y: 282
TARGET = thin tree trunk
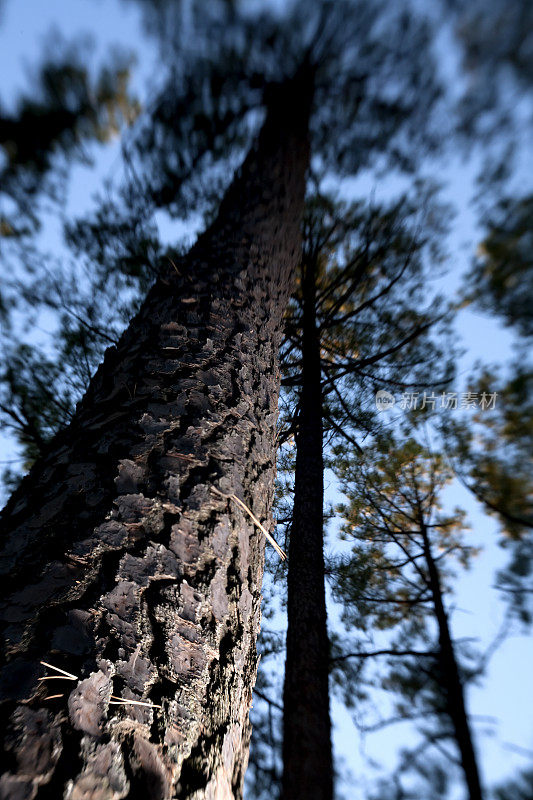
x: 453, y: 685
x: 307, y: 758
x: 120, y: 564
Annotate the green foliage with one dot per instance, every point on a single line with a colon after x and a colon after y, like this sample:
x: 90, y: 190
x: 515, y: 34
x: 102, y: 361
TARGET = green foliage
x: 498, y: 64
x: 398, y: 530
x: 35, y: 402
x: 84, y: 305
x: 393, y: 492
x: 66, y: 110
x: 493, y: 448
x: 372, y: 89
x: 493, y: 458
x: 495, y: 36
x: 223, y: 63
x: 377, y: 323
x: 501, y: 280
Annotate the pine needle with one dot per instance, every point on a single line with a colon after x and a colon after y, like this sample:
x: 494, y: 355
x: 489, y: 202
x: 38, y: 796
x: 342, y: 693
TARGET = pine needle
x: 120, y: 701
x: 68, y: 675
x: 261, y: 527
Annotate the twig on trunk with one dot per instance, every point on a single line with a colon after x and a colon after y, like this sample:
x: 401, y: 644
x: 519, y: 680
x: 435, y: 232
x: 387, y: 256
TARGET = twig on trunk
x: 64, y: 674
x: 120, y: 701
x: 244, y: 507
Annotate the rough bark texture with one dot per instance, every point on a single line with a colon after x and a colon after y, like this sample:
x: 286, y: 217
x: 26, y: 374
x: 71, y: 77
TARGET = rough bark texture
x: 455, y: 701
x: 307, y: 759
x: 119, y: 563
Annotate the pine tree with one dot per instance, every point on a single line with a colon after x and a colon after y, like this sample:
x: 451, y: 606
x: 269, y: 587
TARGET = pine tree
x: 397, y: 577
x: 352, y: 312
x: 351, y: 261
x: 202, y: 112
x: 122, y: 567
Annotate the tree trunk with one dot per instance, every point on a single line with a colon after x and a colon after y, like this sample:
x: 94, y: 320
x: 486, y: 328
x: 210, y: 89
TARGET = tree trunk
x: 455, y: 701
x: 307, y: 759
x: 120, y: 564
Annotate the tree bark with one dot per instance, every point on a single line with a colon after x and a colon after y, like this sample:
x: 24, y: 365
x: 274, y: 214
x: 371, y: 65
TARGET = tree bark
x: 307, y: 758
x: 455, y: 700
x: 120, y: 565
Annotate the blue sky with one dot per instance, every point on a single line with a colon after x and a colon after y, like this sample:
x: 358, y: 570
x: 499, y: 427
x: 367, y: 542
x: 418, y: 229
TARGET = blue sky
x: 506, y: 693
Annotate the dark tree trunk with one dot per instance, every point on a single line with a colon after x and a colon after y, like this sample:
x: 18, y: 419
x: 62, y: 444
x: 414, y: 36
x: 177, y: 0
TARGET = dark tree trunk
x: 120, y: 564
x: 307, y: 759
x: 453, y: 686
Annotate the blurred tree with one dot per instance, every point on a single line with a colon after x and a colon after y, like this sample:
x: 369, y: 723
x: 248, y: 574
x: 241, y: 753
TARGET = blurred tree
x: 520, y: 788
x: 493, y: 447
x: 373, y: 89
x: 497, y: 59
x: 493, y: 450
x: 66, y: 109
x: 396, y: 578
x: 493, y: 88
x: 350, y: 329
x: 352, y: 261
x: 70, y: 108
x: 501, y: 280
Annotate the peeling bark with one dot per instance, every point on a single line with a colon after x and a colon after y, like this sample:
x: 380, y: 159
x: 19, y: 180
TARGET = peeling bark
x: 119, y: 564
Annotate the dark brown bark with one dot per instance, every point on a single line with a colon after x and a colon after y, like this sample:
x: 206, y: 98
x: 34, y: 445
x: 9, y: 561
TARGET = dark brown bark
x: 452, y: 683
x: 307, y: 758
x: 119, y: 563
